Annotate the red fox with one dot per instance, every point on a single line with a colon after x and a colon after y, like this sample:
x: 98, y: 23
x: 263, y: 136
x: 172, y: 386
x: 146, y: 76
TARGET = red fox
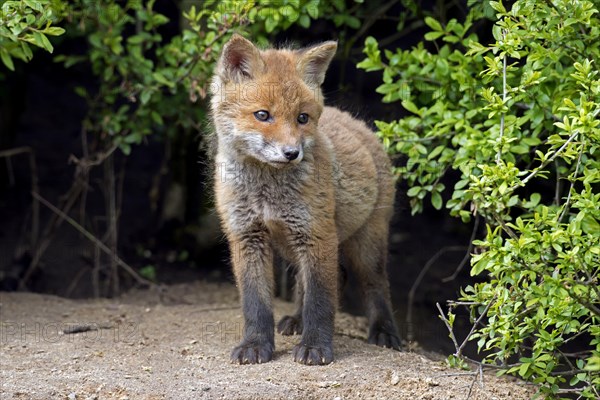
x: 306, y: 182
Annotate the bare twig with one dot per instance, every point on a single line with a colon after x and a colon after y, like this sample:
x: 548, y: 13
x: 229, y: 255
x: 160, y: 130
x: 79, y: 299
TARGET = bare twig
x: 557, y: 184
x: 97, y: 159
x: 75, y: 282
x: 55, y: 222
x: 35, y: 205
x: 467, y: 256
x: 505, y: 227
x: 95, y: 240
x: 111, y: 213
x: 548, y: 161
x: 366, y: 25
x: 415, y: 286
x: 83, y: 200
x: 460, y: 348
x: 477, y: 321
x: 96, y: 272
x: 575, y: 173
x: 447, y: 323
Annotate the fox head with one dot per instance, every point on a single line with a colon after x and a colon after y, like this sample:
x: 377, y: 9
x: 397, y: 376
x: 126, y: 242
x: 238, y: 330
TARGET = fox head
x: 266, y: 104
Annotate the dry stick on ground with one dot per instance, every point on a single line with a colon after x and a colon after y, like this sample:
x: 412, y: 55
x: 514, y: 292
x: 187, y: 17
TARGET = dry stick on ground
x: 95, y: 240
x: 477, y: 376
x: 35, y: 206
x: 415, y: 286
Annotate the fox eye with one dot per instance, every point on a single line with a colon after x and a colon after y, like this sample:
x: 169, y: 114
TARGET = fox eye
x: 262, y: 115
x: 303, y: 118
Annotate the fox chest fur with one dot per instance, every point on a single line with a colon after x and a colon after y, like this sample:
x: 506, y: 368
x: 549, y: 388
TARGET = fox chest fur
x: 287, y: 201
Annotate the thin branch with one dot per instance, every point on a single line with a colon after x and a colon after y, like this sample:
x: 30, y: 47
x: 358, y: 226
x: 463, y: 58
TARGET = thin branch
x: 557, y: 185
x: 447, y: 323
x: 111, y: 212
x: 463, y: 303
x: 415, y: 286
x: 55, y: 222
x: 548, y: 161
x: 97, y: 159
x: 460, y: 348
x: 483, y: 314
x: 504, y: 226
x: 35, y: 205
x: 94, y: 240
x: 499, y: 153
x: 524, y: 106
x: 467, y: 254
x: 381, y: 10
x: 566, y: 205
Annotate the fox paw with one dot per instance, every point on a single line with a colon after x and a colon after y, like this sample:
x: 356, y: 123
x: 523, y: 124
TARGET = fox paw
x: 313, y: 355
x: 384, y: 338
x: 252, y: 353
x: 290, y: 325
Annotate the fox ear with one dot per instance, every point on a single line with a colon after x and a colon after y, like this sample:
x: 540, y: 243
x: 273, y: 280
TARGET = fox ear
x: 313, y: 62
x: 240, y: 60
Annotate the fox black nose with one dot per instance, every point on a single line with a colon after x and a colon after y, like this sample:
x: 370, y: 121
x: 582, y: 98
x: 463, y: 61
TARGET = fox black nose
x: 291, y: 153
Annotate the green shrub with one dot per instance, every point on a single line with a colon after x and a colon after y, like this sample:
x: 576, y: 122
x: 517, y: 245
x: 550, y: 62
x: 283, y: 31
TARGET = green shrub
x: 27, y: 22
x: 518, y: 119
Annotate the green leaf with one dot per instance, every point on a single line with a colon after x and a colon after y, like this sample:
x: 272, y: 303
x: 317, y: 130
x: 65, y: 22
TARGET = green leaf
x: 160, y: 78
x: 436, y: 200
x: 534, y: 200
x: 125, y: 148
x: 312, y: 8
x: 480, y: 265
x: 433, y: 24
x: 270, y: 25
x: 304, y: 21
x: 54, y: 31
x: 157, y: 118
x: 352, y: 22
x: 433, y: 35
x: 6, y: 59
x: 42, y: 41
x: 497, y: 5
x: 590, y: 226
x: 81, y: 91
x: 410, y: 106
x: 148, y: 272
x: 413, y: 191
x: 145, y: 95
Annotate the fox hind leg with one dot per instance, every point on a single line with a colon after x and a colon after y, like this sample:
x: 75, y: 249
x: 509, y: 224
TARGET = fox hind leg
x: 292, y: 324
x: 366, y: 254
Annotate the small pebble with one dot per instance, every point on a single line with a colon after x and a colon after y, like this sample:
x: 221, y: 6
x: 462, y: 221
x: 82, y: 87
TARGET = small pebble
x: 395, y: 378
x: 431, y: 382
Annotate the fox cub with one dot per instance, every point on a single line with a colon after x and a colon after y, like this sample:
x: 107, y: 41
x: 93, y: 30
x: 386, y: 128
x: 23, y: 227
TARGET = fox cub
x: 303, y: 181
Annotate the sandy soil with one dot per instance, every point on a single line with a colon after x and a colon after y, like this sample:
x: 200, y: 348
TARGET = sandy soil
x: 174, y: 343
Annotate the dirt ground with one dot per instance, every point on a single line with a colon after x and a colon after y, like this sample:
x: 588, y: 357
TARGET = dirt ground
x: 174, y: 343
